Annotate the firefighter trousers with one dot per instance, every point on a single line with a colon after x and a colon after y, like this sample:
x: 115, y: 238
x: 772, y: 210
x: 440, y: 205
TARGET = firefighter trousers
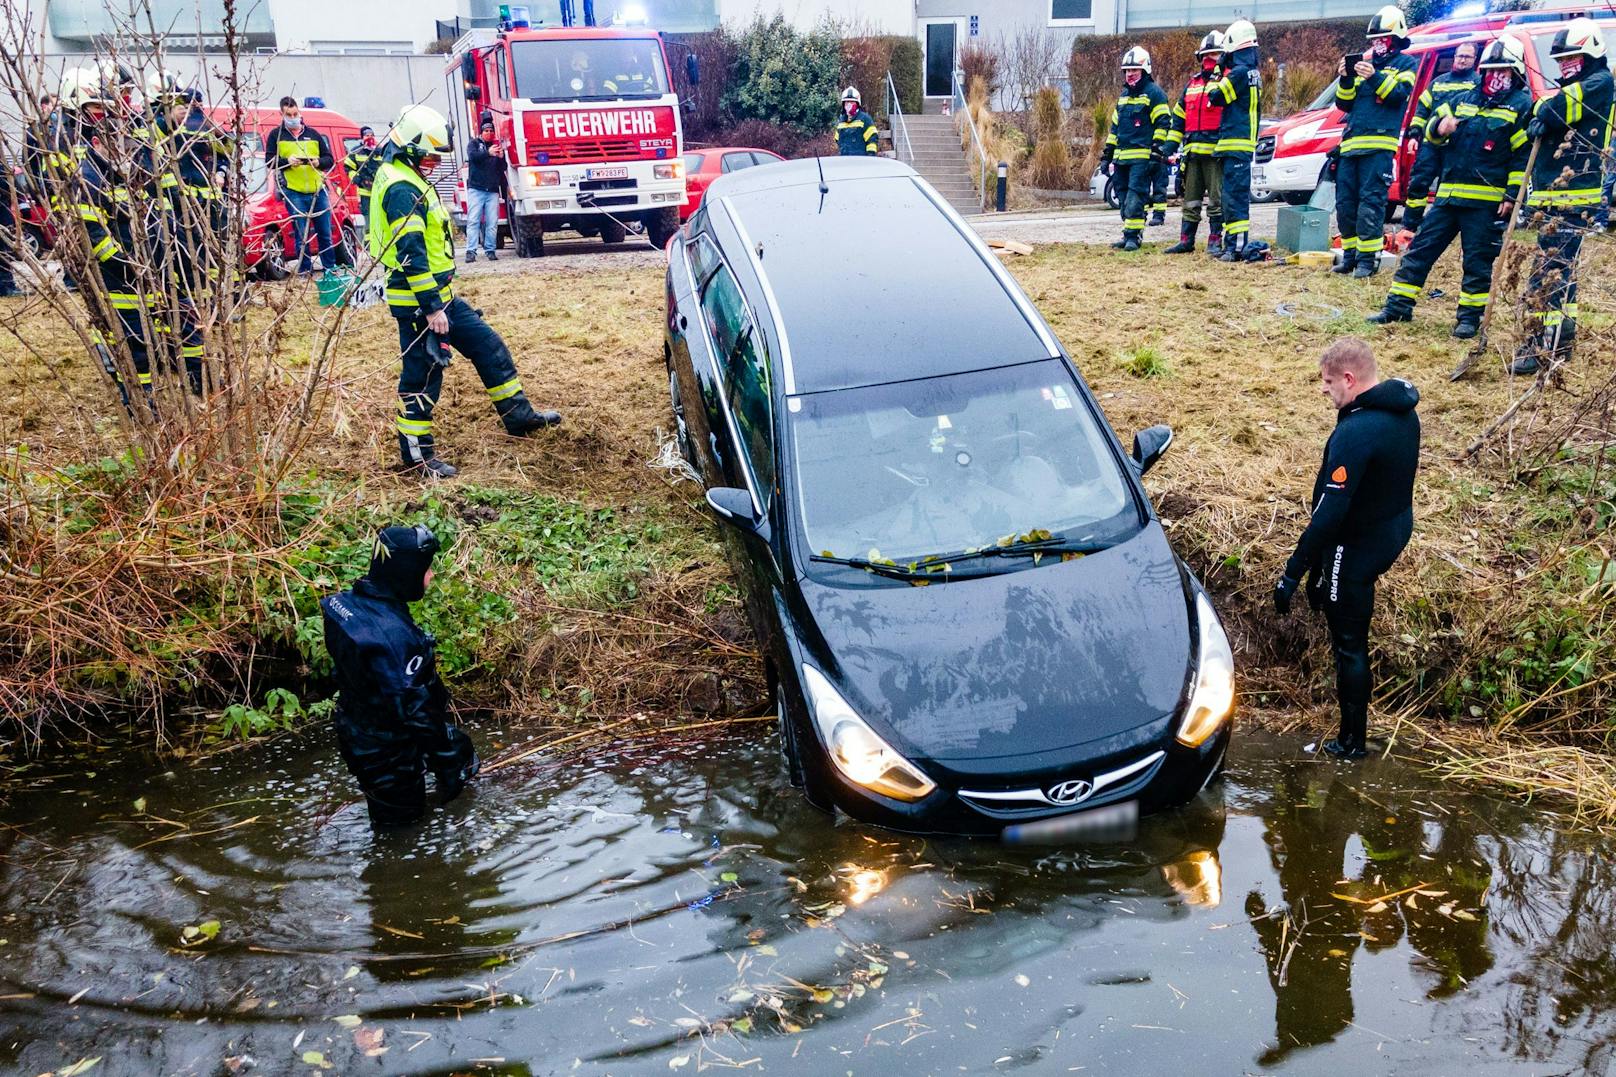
x: 1158, y: 187
x: 1551, y: 293
x: 420, y: 382
x: 1480, y: 231
x: 1133, y: 179
x: 1203, y: 188
x: 1362, y: 183
x: 1236, y: 194
x: 1421, y: 185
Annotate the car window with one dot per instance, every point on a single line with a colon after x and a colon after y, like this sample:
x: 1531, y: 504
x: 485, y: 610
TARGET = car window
x: 724, y: 311
x: 703, y: 256
x: 734, y: 162
x: 763, y: 157
x: 693, y: 163
x: 748, y: 376
x: 955, y: 463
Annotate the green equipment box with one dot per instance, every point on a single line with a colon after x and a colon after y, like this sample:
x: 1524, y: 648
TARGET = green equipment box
x: 1303, y: 228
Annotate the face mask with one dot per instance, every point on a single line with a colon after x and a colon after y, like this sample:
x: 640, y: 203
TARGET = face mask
x: 1132, y: 76
x: 1208, y: 63
x: 294, y: 125
x: 1494, y: 83
x: 1570, y: 68
x: 849, y: 107
x: 1381, y: 46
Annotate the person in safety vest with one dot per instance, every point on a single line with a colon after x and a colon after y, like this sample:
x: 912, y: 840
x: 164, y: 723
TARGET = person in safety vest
x: 1482, y: 143
x: 176, y: 237
x: 1239, y: 94
x: 392, y: 715
x: 1572, y: 129
x: 1373, y: 93
x: 1452, y: 85
x: 301, y: 156
x: 361, y: 164
x: 1196, y: 119
x: 856, y: 133
x: 1363, y: 516
x: 1137, y: 143
x: 412, y: 235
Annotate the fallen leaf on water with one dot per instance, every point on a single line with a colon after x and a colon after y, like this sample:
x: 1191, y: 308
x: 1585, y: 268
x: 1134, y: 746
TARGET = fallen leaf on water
x: 369, y: 1040
x: 677, y: 1061
x: 400, y: 932
x: 140, y: 805
x: 348, y: 1020
x: 1379, y: 906
x: 1462, y: 915
x: 316, y: 1058
x: 743, y: 1025
x: 1021, y: 979
x: 1432, y: 893
x: 83, y: 1065
x: 823, y: 994
x: 728, y: 877
x: 353, y: 970
x: 768, y: 951
x: 900, y: 955
x: 1338, y: 953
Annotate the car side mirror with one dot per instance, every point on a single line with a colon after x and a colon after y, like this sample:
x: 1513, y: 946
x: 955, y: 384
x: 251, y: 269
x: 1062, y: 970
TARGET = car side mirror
x: 1149, y: 445
x: 692, y: 69
x: 733, y: 506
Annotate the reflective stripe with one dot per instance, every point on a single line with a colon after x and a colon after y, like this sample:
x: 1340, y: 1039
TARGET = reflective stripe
x: 145, y: 379
x: 1579, y: 196
x: 506, y: 391
x: 414, y: 426
x: 1573, y: 100
x: 1471, y: 192
x: 421, y: 282
x: 1517, y: 140
x: 1235, y: 145
x: 1158, y: 112
x: 1132, y: 224
x: 1388, y: 83
x: 106, y: 249
x: 192, y: 351
x: 870, y: 132
x: 1407, y: 291
x: 1516, y: 179
x: 1474, y: 299
x: 1348, y: 94
x: 1370, y: 246
x: 1225, y: 88
x: 1236, y: 228
x: 412, y: 223
x: 1201, y: 149
x: 1349, y: 243
x: 1141, y: 153
x: 1417, y: 203
x: 1370, y: 143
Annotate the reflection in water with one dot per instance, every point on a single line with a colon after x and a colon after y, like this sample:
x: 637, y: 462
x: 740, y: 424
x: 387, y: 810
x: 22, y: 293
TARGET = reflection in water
x: 678, y: 905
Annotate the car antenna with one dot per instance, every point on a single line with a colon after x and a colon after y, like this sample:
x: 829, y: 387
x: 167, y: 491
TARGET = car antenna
x: 824, y: 188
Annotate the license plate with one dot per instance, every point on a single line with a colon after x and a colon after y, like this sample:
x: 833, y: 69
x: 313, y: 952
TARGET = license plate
x: 1114, y: 822
x: 1259, y: 176
x: 613, y: 172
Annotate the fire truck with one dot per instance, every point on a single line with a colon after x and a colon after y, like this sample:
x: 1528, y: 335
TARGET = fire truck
x: 589, y: 121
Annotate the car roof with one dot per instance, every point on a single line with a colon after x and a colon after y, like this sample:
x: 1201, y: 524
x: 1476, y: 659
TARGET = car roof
x: 874, y: 280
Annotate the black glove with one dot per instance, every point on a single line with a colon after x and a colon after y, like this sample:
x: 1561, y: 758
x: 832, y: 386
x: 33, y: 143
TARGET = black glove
x: 1534, y: 130
x: 451, y: 785
x: 1107, y: 153
x: 1156, y: 155
x: 1283, y: 592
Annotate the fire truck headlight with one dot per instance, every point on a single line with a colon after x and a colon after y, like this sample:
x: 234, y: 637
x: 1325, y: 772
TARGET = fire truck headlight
x: 669, y: 171
x: 542, y: 177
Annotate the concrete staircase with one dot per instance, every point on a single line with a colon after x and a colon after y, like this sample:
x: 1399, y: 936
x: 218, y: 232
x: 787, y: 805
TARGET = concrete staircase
x: 939, y: 158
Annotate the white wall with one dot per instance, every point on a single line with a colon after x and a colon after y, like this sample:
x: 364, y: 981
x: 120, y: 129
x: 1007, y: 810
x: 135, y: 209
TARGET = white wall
x: 298, y: 23
x: 882, y: 16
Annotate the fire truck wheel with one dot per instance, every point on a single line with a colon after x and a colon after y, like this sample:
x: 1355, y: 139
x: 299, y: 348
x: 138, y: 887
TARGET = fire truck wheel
x: 660, y: 227
x: 612, y: 231
x: 528, y: 237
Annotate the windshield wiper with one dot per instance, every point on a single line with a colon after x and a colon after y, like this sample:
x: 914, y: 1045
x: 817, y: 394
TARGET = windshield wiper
x: 1031, y: 544
x: 936, y: 569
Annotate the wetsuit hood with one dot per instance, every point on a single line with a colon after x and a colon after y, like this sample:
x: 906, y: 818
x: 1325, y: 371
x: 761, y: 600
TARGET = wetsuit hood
x: 399, y: 562
x: 1394, y: 395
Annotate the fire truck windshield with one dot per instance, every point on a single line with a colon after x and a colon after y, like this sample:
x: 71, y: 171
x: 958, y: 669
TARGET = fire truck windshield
x: 603, y: 69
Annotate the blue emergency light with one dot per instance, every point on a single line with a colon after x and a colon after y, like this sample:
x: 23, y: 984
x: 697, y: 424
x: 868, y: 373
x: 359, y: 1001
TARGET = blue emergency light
x: 314, y: 102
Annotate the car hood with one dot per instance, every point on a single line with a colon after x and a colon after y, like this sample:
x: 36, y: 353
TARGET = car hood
x: 1030, y: 661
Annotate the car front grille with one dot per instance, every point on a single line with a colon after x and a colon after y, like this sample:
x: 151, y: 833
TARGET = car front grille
x: 1103, y: 788
x: 1265, y: 150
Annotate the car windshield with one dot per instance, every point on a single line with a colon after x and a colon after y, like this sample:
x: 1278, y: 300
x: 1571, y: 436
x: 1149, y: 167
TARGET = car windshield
x: 588, y: 70
x: 1326, y: 97
x: 910, y: 469
x: 1547, y: 65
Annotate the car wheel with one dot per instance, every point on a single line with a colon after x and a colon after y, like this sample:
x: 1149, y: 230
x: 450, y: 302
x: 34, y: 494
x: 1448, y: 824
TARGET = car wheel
x: 33, y: 243
x: 272, y: 265
x: 681, y: 431
x: 612, y: 231
x: 1111, y: 193
x: 789, y: 756
x: 348, y: 250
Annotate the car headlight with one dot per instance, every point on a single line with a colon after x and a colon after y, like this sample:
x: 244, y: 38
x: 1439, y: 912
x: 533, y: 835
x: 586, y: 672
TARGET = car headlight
x: 855, y: 749
x: 1213, y: 697
x: 671, y: 170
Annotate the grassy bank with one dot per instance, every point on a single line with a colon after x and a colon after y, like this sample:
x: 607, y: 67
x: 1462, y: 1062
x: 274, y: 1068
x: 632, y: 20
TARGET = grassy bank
x: 583, y: 582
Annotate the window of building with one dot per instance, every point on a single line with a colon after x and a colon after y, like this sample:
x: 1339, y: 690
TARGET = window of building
x: 1066, y: 12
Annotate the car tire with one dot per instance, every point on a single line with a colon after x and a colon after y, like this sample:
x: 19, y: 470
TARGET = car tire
x: 272, y: 263
x: 1111, y: 193
x: 348, y: 248
x: 612, y: 231
x: 681, y: 430
x: 661, y: 226
x: 790, y: 757
x: 33, y: 243
x: 1296, y: 198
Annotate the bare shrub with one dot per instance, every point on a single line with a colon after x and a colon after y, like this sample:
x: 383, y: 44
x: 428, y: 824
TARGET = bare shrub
x: 1051, y: 159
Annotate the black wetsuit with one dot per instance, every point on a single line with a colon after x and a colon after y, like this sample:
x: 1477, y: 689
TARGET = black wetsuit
x: 1363, y: 515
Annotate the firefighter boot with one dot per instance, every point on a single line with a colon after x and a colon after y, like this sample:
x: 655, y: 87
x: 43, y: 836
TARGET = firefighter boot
x: 1185, y: 244
x: 521, y: 420
x: 1466, y: 328
x: 431, y: 468
x: 1388, y: 314
x: 1158, y: 217
x: 1368, y: 266
x: 1130, y: 241
x: 1214, y: 244
x: 1234, y: 248
x: 1348, y: 262
x: 1121, y: 244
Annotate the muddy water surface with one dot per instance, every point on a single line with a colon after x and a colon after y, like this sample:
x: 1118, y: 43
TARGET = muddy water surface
x: 676, y: 907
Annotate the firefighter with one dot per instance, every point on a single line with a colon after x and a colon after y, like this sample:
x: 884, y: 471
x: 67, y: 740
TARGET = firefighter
x: 361, y: 164
x: 178, y: 241
x: 1482, y: 143
x: 856, y: 133
x: 411, y: 234
x: 1239, y: 94
x: 1196, y: 119
x: 1137, y: 144
x: 1363, y: 515
x: 392, y: 715
x: 1451, y: 85
x: 1572, y: 129
x: 1373, y: 94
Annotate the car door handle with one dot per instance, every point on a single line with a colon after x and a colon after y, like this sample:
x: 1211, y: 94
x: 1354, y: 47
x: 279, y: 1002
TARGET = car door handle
x: 684, y: 323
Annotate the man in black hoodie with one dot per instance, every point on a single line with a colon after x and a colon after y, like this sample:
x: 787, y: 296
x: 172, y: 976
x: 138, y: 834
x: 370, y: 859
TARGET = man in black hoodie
x: 392, y: 714
x: 1363, y: 515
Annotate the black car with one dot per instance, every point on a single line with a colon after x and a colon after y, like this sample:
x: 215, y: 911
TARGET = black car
x: 971, y: 615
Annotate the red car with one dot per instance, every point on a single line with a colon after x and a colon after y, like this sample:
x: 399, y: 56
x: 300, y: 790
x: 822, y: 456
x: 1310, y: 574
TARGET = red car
x: 704, y: 166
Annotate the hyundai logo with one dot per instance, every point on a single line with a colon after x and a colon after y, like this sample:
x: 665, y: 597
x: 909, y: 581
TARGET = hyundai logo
x: 1069, y: 792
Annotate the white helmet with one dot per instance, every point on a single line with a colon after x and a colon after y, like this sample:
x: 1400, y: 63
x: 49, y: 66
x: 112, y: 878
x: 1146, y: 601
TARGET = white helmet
x: 1389, y: 21
x: 1506, y: 52
x: 82, y: 86
x: 162, y: 85
x: 852, y: 94
x: 420, y: 132
x: 1580, y: 36
x: 1136, y: 57
x: 1241, y: 34
x: 1212, y: 42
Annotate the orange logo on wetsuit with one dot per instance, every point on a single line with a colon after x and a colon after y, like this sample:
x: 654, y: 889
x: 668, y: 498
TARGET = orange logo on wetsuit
x: 1338, y: 475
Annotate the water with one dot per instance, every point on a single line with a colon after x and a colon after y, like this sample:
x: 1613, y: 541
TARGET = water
x: 676, y: 907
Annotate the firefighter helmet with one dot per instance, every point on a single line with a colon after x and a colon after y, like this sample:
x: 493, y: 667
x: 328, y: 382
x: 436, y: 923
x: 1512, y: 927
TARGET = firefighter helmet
x: 1212, y: 42
x: 1241, y: 34
x: 1136, y: 57
x: 1579, y: 37
x: 1388, y: 22
x: 82, y: 86
x: 1506, y: 52
x: 162, y: 86
x: 852, y: 94
x: 419, y: 132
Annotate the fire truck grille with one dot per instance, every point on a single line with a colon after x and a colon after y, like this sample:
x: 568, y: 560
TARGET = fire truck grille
x: 587, y: 149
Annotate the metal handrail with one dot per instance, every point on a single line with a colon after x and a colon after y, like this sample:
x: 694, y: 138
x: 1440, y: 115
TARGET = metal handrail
x: 899, y: 124
x: 961, y: 108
